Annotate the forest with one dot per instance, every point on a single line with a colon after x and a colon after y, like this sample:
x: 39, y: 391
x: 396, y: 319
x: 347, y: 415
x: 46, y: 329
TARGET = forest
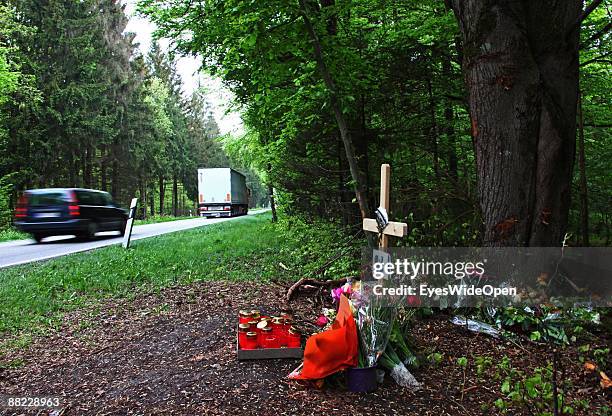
x: 331, y: 89
x: 80, y: 106
x: 328, y: 90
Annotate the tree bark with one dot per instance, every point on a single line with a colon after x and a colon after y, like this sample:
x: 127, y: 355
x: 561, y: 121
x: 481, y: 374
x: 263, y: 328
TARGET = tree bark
x: 152, y: 199
x: 357, y: 175
x: 174, y: 196
x: 450, y: 124
x: 521, y: 72
x: 433, y: 131
x: 115, y: 178
x: 271, y: 195
x: 143, y: 198
x: 103, y: 174
x: 88, y: 166
x: 584, y: 200
x: 162, y: 195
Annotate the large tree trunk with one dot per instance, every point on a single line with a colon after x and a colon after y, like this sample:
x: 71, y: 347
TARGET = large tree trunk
x: 358, y: 176
x: 521, y: 70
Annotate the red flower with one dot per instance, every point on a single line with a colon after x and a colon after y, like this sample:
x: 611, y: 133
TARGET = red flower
x: 322, y: 321
x: 414, y: 301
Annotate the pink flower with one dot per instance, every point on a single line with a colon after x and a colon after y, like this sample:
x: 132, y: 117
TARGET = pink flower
x: 339, y: 291
x: 322, y: 321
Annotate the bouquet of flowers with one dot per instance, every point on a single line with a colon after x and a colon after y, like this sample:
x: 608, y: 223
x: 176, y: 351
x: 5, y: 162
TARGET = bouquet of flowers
x: 374, y: 322
x: 397, y: 357
x: 362, y: 332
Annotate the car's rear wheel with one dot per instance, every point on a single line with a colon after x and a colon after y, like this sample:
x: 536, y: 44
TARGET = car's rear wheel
x: 122, y: 229
x: 90, y: 232
x: 38, y: 237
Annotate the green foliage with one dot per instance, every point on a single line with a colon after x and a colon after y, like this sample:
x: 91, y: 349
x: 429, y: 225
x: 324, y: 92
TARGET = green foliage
x: 79, y: 106
x: 395, y: 67
x: 435, y: 358
x: 462, y: 362
x: 482, y: 364
x: 9, y: 234
x: 533, y: 391
x: 6, y: 188
x: 545, y: 323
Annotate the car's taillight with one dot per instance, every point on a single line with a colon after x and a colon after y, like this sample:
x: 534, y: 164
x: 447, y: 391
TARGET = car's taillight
x: 22, y: 207
x: 226, y: 208
x: 204, y: 209
x: 73, y: 210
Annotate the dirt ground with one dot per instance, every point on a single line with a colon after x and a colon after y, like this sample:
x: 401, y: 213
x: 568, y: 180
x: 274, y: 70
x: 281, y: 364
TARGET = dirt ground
x: 174, y: 352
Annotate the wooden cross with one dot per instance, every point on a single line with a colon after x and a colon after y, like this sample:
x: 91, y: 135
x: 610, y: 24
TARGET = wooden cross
x: 397, y: 229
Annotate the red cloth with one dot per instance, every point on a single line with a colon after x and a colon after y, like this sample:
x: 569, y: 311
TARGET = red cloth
x: 333, y: 350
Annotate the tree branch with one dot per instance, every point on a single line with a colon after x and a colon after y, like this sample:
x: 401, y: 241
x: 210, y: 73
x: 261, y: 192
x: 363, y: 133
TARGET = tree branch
x: 360, y: 186
x: 596, y: 59
x: 583, y: 16
x: 596, y: 36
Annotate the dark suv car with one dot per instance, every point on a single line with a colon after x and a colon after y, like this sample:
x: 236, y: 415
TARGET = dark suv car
x: 72, y: 211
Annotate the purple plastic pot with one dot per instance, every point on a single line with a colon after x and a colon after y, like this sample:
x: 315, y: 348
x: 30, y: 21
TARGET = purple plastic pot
x: 361, y: 380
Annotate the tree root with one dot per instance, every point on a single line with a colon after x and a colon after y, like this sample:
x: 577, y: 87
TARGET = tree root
x: 312, y: 282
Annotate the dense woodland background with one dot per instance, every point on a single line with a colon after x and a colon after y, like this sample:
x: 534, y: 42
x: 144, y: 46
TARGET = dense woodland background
x: 329, y: 91
x: 80, y: 106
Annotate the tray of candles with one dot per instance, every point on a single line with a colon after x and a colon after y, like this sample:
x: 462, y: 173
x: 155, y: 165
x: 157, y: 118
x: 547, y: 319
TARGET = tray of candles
x: 262, y: 336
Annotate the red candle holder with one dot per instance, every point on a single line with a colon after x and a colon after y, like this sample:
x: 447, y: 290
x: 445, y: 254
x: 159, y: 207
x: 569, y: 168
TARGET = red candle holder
x: 266, y: 337
x: 270, y: 341
x: 255, y: 314
x: 253, y: 325
x: 251, y: 341
x: 244, y: 317
x: 278, y: 330
x: 294, y: 339
x: 242, y: 331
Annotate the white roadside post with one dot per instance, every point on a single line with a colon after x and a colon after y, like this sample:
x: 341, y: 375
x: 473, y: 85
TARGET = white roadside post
x: 130, y: 222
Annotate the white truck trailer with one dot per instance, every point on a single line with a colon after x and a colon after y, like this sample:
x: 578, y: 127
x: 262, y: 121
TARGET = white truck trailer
x: 222, y: 192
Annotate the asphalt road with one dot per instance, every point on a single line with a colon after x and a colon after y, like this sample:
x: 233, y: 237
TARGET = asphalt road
x: 17, y: 252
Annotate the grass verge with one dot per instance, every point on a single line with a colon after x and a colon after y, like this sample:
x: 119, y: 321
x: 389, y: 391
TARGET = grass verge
x: 249, y: 248
x: 161, y: 218
x: 10, y: 234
